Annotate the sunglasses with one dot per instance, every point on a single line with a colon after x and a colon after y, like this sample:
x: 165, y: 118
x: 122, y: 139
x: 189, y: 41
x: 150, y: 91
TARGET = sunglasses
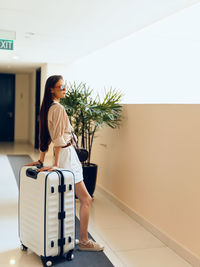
x: 62, y: 87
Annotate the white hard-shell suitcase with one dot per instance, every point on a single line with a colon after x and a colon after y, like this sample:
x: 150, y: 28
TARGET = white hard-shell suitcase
x: 47, y: 213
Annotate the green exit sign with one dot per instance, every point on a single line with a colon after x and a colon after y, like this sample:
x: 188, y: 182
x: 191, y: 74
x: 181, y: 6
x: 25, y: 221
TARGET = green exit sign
x: 6, y: 44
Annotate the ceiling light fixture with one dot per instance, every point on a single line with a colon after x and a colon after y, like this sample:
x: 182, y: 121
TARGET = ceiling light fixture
x: 16, y: 57
x: 29, y: 34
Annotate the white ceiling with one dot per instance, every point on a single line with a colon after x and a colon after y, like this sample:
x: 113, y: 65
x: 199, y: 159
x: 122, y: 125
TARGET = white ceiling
x: 62, y: 31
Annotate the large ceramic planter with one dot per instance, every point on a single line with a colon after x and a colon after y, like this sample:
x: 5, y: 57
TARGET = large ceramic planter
x: 90, y: 177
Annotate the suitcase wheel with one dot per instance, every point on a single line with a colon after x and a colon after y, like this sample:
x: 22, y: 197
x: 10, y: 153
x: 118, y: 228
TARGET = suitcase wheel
x: 72, y: 256
x: 69, y: 256
x: 48, y: 263
x: 23, y: 248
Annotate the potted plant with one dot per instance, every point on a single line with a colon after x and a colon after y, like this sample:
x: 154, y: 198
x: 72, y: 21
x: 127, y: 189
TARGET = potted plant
x: 88, y: 114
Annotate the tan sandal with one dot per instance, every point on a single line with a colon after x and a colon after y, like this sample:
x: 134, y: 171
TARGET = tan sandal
x: 90, y: 246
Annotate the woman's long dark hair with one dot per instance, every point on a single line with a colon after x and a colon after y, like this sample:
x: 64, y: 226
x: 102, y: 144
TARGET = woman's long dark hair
x: 44, y: 136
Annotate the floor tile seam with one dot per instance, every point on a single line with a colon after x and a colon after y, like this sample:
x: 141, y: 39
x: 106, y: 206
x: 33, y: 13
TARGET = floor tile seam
x: 9, y: 218
x: 139, y: 249
x: 120, y: 227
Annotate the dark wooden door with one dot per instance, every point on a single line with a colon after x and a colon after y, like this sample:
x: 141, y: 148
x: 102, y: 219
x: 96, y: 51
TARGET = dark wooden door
x: 37, y: 107
x: 7, y: 107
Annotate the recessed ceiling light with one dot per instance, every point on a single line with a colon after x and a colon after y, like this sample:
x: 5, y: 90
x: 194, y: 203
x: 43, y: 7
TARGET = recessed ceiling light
x: 29, y: 34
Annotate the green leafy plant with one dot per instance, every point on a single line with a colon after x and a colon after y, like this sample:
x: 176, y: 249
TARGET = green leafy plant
x: 88, y: 114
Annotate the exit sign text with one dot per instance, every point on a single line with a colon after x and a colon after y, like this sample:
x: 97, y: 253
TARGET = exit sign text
x: 6, y: 44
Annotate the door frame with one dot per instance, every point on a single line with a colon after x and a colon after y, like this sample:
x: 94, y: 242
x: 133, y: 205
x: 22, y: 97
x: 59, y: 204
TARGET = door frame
x: 37, y: 106
x: 13, y: 81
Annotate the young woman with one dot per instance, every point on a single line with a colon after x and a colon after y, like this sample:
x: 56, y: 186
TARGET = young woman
x: 55, y: 127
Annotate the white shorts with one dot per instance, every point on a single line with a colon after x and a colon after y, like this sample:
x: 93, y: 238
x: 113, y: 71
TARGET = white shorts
x: 68, y: 159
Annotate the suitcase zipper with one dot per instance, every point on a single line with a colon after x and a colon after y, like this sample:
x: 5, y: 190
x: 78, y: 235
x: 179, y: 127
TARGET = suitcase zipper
x: 61, y: 214
x: 45, y: 197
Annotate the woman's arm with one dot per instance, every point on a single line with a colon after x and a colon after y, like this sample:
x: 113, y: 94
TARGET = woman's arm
x: 42, y: 156
x: 56, y: 152
x: 55, y: 165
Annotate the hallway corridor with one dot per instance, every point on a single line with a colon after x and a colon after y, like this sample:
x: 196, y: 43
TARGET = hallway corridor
x: 126, y: 242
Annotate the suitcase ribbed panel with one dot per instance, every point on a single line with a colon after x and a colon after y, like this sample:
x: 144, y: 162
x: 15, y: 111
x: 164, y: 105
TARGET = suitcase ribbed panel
x: 69, y: 207
x: 52, y: 209
x: 31, y: 212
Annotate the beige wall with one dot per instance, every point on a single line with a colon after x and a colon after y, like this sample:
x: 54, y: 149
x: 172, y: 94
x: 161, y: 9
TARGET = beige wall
x: 31, y: 127
x: 43, y: 81
x: 152, y: 165
x: 22, y: 107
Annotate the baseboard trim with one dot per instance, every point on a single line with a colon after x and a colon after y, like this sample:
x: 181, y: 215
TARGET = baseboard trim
x: 162, y: 236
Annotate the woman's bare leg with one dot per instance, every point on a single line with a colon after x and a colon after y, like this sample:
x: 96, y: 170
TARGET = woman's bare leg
x: 84, y: 212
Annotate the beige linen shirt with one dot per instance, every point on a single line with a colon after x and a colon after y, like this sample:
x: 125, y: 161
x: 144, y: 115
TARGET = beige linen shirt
x: 59, y: 125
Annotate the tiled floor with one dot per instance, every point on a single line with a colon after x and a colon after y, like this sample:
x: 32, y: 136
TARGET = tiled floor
x: 126, y: 242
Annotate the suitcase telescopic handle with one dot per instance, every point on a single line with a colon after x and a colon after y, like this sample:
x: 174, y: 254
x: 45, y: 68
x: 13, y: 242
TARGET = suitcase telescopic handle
x: 32, y: 173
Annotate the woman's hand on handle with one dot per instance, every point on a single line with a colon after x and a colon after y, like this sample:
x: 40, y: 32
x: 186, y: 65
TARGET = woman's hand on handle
x: 39, y: 162
x: 48, y: 169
